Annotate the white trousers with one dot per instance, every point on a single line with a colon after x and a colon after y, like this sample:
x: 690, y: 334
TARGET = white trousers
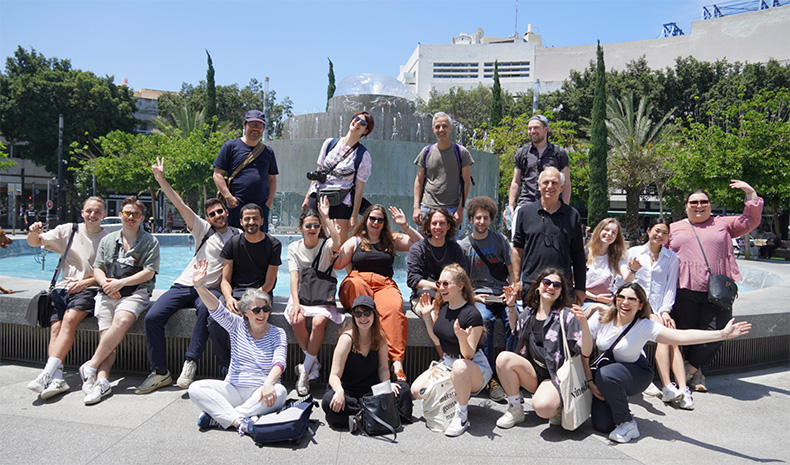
x: 226, y: 402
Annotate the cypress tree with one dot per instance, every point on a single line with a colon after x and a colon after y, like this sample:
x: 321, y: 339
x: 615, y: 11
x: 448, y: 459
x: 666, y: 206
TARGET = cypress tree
x: 330, y: 88
x: 211, y: 94
x: 598, y: 204
x: 495, y: 116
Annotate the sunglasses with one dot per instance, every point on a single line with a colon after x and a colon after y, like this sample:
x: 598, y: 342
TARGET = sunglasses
x: 630, y: 299
x: 216, y: 213
x: 135, y: 215
x: 360, y: 313
x: 698, y: 203
x: 441, y: 284
x: 547, y: 282
x: 375, y: 219
x: 257, y: 310
x: 311, y: 226
x: 359, y: 120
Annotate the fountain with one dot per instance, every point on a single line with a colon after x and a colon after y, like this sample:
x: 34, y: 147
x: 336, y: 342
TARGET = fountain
x: 399, y: 135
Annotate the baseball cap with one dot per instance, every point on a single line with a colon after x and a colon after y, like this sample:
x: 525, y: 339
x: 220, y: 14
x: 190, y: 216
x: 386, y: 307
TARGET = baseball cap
x: 255, y: 115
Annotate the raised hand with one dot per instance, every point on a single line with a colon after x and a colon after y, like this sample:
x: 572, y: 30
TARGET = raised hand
x: 398, y: 217
x: 199, y: 272
x: 158, y: 169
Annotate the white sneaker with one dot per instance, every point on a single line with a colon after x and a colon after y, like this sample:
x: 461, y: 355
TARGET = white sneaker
x: 652, y: 391
x: 625, y: 432
x: 556, y: 420
x: 54, y: 388
x: 513, y: 416
x: 154, y: 381
x: 88, y: 378
x: 686, y: 402
x: 187, y: 375
x: 302, y: 381
x: 315, y: 371
x: 670, y: 392
x: 457, y: 427
x: 40, y: 383
x: 100, y: 390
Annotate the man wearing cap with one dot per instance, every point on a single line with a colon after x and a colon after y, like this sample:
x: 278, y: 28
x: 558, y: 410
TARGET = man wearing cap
x: 531, y: 159
x: 254, y: 183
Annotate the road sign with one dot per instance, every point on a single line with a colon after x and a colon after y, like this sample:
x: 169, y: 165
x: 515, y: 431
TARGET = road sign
x: 49, y: 204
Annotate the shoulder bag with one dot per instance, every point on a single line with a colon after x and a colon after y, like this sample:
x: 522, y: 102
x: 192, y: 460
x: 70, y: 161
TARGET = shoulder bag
x: 438, y: 398
x: 576, y: 396
x: 39, y: 310
x: 378, y: 415
x: 118, y: 270
x: 317, y: 287
x: 335, y: 195
x: 250, y: 158
x: 498, y: 270
x: 722, y: 290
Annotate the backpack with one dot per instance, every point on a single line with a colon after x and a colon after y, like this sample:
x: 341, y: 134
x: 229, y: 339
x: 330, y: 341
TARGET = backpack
x: 427, y: 151
x: 287, y: 424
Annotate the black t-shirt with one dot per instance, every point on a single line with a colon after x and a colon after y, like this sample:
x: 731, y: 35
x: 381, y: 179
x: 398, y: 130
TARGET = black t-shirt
x: 467, y: 315
x: 251, y: 260
x: 531, y: 163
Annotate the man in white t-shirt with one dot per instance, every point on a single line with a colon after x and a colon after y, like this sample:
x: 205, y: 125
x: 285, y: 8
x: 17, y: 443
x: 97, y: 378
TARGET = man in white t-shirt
x: 210, y: 236
x: 75, y: 291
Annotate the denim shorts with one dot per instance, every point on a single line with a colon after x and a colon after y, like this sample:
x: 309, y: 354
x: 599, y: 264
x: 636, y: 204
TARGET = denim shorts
x: 480, y: 360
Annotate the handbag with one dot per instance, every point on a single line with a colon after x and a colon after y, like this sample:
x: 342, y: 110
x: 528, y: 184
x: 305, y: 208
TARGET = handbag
x: 498, y: 270
x: 576, y: 395
x: 287, y: 424
x: 118, y: 270
x: 438, y: 398
x: 250, y: 158
x: 607, y: 356
x: 722, y: 290
x: 378, y: 415
x: 39, y: 310
x: 317, y: 287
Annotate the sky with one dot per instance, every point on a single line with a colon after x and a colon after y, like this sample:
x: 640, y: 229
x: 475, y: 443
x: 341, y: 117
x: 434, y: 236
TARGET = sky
x: 161, y: 44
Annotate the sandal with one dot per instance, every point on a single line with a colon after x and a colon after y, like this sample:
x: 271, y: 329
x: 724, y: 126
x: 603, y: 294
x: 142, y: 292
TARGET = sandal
x: 399, y: 375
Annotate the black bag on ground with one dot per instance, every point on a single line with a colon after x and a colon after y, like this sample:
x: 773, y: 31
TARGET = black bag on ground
x: 379, y: 415
x: 317, y: 287
x: 287, y: 424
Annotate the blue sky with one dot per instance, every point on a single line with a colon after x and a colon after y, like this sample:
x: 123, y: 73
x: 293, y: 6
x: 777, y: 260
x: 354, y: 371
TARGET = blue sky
x: 160, y: 44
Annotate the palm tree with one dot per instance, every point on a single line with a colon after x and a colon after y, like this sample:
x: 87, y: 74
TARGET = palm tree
x: 633, y: 158
x: 184, y: 120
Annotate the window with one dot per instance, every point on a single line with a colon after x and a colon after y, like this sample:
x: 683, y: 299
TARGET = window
x: 456, y: 70
x: 507, y: 69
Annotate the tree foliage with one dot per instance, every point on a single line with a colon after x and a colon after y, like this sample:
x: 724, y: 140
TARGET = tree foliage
x: 598, y: 203
x: 330, y: 88
x: 495, y: 116
x: 34, y: 90
x: 210, y: 110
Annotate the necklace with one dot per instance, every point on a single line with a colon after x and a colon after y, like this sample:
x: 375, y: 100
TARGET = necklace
x: 437, y: 260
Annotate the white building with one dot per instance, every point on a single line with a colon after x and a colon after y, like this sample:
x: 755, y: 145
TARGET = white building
x: 468, y: 61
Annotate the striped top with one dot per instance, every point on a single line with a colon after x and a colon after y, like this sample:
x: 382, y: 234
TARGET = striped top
x: 251, y: 360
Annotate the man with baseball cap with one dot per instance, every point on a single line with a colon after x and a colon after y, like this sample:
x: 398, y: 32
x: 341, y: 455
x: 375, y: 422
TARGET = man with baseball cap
x: 250, y: 168
x: 531, y: 159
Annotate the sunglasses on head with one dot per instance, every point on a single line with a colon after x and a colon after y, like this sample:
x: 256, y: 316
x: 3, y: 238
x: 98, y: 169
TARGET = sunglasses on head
x: 547, y: 282
x: 134, y: 215
x: 375, y: 219
x: 361, y: 121
x: 216, y: 212
x: 257, y: 310
x: 360, y: 313
x: 311, y: 226
x: 700, y: 203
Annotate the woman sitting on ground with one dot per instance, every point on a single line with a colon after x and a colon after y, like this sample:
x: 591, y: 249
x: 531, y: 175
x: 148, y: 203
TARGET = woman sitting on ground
x: 371, y: 253
x: 257, y: 359
x: 539, y: 353
x: 657, y: 272
x: 629, y: 373
x: 301, y: 255
x: 606, y: 267
x: 359, y: 363
x: 454, y: 324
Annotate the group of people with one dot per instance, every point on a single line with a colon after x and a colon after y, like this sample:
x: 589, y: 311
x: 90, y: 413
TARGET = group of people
x: 458, y: 288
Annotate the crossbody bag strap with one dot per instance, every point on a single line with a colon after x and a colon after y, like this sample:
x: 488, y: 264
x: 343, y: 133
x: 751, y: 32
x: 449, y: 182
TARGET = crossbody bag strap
x: 480, y: 254
x: 345, y: 155
x: 250, y: 158
x: 74, y: 228
x: 622, y: 335
x: 565, y: 347
x: 700, y: 247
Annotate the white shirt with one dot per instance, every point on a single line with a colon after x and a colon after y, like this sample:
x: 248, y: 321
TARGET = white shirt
x: 659, y: 279
x: 210, y: 252
x: 629, y: 348
x: 601, y: 279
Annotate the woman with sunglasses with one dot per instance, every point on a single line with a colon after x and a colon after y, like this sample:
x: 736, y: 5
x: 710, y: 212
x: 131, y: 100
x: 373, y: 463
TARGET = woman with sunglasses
x: 656, y: 270
x: 629, y: 372
x: 692, y: 309
x: 359, y: 363
x: 301, y: 255
x: 454, y: 324
x: 337, y: 156
x: 371, y: 252
x: 606, y: 267
x: 540, y: 353
x: 257, y: 359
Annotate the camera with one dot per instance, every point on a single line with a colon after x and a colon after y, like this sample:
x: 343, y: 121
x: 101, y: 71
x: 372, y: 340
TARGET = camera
x: 317, y: 175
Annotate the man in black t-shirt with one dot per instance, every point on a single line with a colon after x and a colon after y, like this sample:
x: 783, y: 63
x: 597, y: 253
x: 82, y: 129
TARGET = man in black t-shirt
x: 251, y: 261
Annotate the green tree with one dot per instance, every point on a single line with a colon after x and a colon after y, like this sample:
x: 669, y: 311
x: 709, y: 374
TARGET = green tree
x: 598, y: 204
x: 330, y: 88
x: 4, y: 164
x: 633, y: 158
x: 211, y: 93
x: 183, y: 122
x: 495, y: 116
x: 34, y: 90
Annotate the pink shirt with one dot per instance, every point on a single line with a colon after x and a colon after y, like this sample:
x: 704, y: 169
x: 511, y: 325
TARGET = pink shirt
x: 716, y: 236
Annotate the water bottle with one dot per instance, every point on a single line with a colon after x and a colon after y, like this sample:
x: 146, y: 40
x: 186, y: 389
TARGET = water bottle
x: 508, y: 218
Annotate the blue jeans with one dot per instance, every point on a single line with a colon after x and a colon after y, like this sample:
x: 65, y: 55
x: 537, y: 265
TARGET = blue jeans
x: 424, y: 210
x: 173, y: 300
x: 490, y: 312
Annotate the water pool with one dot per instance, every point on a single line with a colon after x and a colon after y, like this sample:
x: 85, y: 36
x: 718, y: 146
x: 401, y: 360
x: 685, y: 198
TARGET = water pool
x: 172, y: 262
